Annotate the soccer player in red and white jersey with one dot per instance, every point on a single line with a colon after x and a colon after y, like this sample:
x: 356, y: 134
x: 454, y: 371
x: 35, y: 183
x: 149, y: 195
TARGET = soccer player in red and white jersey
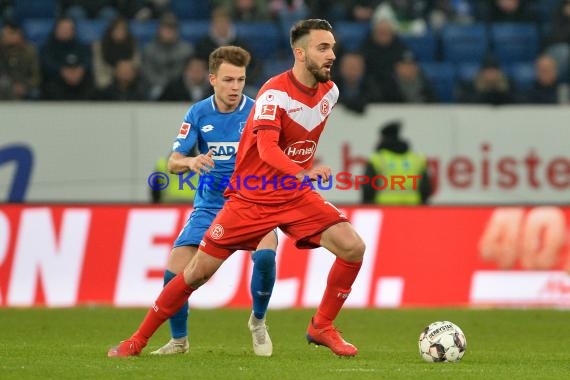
x: 274, y: 159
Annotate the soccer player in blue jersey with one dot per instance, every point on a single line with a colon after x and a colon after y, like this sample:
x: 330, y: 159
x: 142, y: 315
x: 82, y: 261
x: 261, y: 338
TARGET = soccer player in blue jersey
x: 215, y: 125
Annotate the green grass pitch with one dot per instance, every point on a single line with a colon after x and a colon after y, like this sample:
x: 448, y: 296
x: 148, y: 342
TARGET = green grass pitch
x: 72, y: 344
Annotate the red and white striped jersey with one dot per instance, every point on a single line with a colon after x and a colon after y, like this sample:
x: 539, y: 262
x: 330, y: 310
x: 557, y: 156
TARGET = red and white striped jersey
x: 299, y: 113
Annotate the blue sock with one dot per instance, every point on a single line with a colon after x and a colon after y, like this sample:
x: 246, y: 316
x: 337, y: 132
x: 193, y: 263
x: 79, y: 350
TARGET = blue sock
x: 262, y: 280
x: 179, y: 321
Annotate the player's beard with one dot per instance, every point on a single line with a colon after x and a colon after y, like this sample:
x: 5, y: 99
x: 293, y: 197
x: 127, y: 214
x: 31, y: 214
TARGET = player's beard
x: 318, y: 72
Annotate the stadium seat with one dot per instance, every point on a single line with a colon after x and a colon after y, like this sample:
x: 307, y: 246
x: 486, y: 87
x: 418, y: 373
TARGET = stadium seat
x: 424, y: 47
x: 467, y: 71
x: 262, y: 38
x: 514, y: 42
x: 191, y: 9
x: 273, y: 67
x: 143, y: 31
x: 193, y: 30
x: 37, y: 30
x: 522, y: 74
x: 89, y: 31
x: 464, y: 43
x: 442, y: 76
x: 543, y: 9
x: 351, y: 34
x: 29, y: 9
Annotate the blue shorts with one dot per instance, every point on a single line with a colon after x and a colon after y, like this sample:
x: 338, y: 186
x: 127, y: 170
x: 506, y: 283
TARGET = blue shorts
x: 197, y: 224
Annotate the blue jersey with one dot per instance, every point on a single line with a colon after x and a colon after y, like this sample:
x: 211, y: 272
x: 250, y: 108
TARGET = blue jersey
x: 209, y: 128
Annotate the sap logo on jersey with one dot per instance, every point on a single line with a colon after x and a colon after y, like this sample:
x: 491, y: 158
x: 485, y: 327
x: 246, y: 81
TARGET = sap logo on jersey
x: 223, y: 150
x: 301, y: 151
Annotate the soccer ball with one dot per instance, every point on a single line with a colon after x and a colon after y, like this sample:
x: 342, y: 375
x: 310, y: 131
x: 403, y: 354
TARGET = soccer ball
x: 442, y: 341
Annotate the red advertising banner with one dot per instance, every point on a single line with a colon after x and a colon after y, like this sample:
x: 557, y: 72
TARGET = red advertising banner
x: 61, y: 256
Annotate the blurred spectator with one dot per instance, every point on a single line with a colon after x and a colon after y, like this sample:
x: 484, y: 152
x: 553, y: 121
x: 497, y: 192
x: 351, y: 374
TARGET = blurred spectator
x: 408, y: 84
x: 393, y: 157
x: 288, y: 12
x: 332, y: 10
x: 559, y: 40
x: 61, y: 44
x: 509, y: 11
x: 490, y: 86
x: 92, y: 9
x: 6, y: 9
x: 442, y: 12
x: 127, y: 84
x: 164, y: 57
x: 116, y: 44
x: 361, y: 10
x: 192, y: 85
x: 73, y: 82
x: 407, y: 16
x: 355, y: 92
x: 245, y: 10
x: 546, y: 87
x: 144, y: 9
x: 381, y: 50
x: 222, y: 32
x: 19, y: 65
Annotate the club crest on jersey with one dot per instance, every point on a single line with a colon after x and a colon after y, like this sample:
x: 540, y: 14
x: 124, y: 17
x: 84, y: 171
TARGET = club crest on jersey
x: 301, y: 151
x: 184, y: 130
x: 269, y: 97
x: 325, y: 107
x: 268, y: 112
x: 216, y: 231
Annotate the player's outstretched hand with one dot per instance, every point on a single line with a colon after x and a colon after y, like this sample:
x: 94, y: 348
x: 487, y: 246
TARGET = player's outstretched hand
x: 202, y: 163
x: 322, y: 173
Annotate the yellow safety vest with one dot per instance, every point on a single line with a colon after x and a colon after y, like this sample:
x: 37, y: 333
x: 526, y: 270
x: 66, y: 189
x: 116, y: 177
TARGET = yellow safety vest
x: 390, y: 164
x: 172, y: 194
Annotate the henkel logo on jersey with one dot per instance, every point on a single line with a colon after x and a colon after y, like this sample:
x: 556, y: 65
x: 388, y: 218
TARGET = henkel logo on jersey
x: 268, y: 112
x: 223, y: 150
x: 184, y: 130
x: 301, y: 151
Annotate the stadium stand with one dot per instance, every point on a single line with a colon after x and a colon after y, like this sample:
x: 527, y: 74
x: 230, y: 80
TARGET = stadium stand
x: 89, y: 31
x: 191, y: 9
x: 351, y: 34
x: 523, y: 74
x: 442, y: 76
x: 143, y: 31
x: 424, y: 46
x: 262, y: 38
x: 448, y: 56
x: 464, y: 43
x: 193, y: 30
x: 37, y: 30
x: 30, y: 9
x: 514, y: 42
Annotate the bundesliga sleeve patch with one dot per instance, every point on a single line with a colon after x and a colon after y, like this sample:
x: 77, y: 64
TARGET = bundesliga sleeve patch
x: 184, y: 129
x: 268, y: 112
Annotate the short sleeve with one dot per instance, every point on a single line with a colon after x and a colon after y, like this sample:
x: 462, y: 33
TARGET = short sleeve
x: 187, y: 134
x: 269, y: 108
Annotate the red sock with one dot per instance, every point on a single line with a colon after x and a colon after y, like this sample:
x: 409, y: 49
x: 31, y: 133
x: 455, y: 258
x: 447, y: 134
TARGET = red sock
x: 339, y: 283
x: 170, y: 300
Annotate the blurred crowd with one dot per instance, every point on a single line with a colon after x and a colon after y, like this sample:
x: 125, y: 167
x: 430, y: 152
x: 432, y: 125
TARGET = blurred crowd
x: 389, y: 51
